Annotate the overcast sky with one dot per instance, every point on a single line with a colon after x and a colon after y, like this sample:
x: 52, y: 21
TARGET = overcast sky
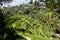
x: 17, y: 2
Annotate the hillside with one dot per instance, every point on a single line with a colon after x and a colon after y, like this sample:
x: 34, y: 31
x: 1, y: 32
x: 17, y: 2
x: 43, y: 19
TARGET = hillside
x: 36, y: 23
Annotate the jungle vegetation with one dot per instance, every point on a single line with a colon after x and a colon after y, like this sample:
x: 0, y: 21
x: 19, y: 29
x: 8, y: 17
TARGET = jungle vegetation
x: 33, y: 20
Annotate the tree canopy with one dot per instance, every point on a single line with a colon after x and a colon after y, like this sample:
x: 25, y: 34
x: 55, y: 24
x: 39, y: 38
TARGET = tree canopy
x: 6, y: 1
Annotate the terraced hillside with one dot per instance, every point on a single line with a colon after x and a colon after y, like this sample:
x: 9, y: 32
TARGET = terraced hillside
x: 32, y: 23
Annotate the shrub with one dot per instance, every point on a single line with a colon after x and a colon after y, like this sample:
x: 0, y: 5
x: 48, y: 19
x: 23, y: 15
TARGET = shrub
x: 26, y: 10
x: 52, y: 4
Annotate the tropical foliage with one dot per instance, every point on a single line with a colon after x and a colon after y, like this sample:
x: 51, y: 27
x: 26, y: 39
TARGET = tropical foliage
x: 30, y: 21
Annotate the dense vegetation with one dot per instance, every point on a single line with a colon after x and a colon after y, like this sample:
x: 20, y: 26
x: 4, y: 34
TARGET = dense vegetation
x: 30, y: 20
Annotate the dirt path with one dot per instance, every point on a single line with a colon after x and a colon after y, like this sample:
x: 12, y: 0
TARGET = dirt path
x: 27, y: 38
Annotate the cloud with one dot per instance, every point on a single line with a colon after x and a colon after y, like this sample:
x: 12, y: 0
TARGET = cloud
x: 17, y: 2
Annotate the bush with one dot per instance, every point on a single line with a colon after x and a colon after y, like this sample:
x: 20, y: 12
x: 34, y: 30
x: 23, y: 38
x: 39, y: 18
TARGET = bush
x: 27, y: 10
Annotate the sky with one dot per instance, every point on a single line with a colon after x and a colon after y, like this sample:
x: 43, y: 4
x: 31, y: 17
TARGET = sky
x: 17, y: 2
